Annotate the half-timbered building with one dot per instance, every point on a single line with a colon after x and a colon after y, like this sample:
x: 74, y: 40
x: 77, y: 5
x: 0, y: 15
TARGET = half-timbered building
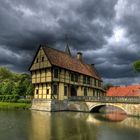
x: 58, y: 75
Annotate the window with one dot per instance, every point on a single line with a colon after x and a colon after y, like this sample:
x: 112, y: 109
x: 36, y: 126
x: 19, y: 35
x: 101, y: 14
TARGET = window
x: 85, y: 91
x: 37, y: 60
x: 65, y: 90
x: 84, y: 79
x: 47, y: 91
x: 93, y: 92
x: 76, y: 77
x: 95, y: 82
x: 88, y: 80
x: 55, y: 89
x: 99, y: 83
x: 37, y: 91
x: 72, y: 76
x: 55, y: 73
x: 42, y: 59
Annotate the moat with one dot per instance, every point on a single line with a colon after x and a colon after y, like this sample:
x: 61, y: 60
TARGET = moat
x: 37, y: 125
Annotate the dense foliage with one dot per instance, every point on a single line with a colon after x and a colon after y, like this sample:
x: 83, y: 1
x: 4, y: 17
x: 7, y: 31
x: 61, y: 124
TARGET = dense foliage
x: 14, y: 86
x: 107, y: 86
x: 136, y: 66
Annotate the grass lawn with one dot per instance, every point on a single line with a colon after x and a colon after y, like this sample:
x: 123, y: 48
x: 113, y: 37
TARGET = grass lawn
x: 7, y: 105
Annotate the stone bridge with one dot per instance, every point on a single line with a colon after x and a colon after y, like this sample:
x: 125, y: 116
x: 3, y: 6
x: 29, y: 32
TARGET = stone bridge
x: 130, y: 105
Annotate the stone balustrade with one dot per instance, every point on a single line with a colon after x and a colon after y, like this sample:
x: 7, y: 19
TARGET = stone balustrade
x: 105, y: 99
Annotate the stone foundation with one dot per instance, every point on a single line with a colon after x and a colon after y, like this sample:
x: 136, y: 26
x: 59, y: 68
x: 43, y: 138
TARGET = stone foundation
x: 49, y: 105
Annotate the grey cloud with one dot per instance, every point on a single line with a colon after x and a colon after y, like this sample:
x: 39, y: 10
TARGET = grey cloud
x: 25, y: 24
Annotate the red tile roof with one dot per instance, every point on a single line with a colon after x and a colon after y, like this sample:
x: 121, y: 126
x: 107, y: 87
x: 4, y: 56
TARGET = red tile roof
x: 132, y: 90
x: 62, y: 59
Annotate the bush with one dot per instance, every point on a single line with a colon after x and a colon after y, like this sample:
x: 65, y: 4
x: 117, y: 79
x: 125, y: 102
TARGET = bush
x: 9, y: 98
x: 24, y: 101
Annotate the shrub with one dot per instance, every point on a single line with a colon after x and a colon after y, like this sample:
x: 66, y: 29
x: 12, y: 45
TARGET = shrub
x: 24, y: 101
x: 9, y: 98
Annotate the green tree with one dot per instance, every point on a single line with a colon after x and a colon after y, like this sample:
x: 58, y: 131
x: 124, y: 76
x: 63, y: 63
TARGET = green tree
x: 15, y: 83
x: 23, y: 87
x: 5, y: 74
x: 7, y: 87
x: 30, y: 90
x: 107, y: 86
x: 136, y: 66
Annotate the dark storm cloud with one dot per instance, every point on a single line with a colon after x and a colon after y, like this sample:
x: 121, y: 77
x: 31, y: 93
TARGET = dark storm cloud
x: 89, y: 25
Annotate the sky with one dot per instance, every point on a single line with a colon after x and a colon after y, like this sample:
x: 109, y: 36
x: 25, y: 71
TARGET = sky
x: 107, y: 32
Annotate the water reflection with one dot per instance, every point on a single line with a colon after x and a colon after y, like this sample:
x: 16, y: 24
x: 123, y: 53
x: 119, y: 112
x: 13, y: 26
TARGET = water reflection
x: 111, y: 117
x: 60, y: 126
x: 35, y: 125
x: 82, y: 126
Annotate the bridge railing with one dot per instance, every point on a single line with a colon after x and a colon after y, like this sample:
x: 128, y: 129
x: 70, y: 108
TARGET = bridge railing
x: 105, y: 99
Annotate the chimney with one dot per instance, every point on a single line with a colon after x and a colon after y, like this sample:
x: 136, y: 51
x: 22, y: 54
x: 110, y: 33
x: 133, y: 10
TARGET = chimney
x: 92, y: 65
x: 79, y: 56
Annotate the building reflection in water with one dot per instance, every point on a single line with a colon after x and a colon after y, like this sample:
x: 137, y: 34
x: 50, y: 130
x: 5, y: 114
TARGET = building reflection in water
x: 61, y: 126
x: 75, y: 126
x: 40, y: 125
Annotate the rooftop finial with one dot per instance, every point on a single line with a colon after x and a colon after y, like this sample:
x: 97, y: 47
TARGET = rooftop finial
x: 67, y: 49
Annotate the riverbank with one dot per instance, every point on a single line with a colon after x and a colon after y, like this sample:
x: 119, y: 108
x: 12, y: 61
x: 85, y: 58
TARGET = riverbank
x: 7, y: 105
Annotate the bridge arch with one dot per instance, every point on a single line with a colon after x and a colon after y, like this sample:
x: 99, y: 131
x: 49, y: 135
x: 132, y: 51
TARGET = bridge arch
x: 97, y: 107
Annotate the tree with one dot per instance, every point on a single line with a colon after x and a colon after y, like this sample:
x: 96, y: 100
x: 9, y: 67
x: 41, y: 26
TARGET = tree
x: 7, y: 87
x: 5, y: 74
x: 107, y: 86
x: 30, y: 90
x: 15, y: 83
x: 136, y: 66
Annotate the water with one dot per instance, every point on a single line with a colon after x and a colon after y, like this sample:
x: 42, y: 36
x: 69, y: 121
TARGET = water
x: 35, y: 125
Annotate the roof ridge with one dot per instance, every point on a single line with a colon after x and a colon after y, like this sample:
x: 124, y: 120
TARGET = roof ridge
x: 46, y: 46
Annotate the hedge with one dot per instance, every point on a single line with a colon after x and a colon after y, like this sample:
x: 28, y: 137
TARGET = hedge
x: 13, y: 98
x: 9, y: 98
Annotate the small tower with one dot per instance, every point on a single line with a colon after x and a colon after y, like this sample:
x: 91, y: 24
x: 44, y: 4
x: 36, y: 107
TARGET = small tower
x: 67, y: 50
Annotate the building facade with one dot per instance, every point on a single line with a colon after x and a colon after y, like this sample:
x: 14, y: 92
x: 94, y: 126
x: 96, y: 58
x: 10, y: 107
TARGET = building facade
x: 58, y: 75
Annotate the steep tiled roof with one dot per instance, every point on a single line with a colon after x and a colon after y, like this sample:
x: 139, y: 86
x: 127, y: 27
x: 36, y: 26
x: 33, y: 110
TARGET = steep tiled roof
x: 132, y: 90
x: 62, y: 59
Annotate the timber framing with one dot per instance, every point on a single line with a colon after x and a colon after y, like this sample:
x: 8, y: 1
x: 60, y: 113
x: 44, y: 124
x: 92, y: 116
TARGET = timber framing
x: 54, y: 72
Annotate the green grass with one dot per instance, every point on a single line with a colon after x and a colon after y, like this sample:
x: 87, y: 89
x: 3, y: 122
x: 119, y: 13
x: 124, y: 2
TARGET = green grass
x: 7, y: 105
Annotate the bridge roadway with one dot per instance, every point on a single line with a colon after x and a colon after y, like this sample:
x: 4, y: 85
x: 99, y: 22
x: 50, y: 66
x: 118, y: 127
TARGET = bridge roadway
x: 130, y: 105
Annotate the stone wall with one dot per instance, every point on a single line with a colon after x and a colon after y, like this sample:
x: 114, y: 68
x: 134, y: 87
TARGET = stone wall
x: 49, y: 105
x: 65, y: 105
